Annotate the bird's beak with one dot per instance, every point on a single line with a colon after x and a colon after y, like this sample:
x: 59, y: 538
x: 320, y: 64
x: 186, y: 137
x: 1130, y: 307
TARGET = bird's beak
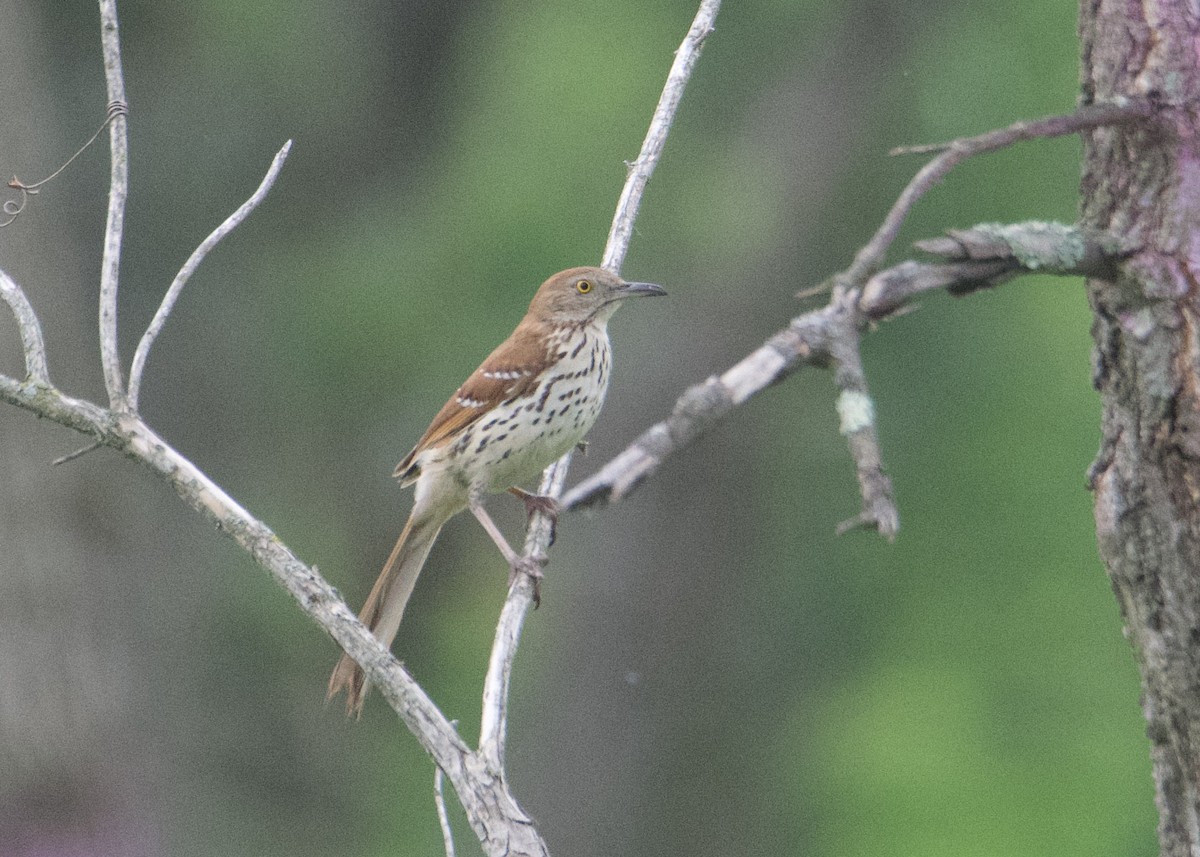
x: 633, y: 290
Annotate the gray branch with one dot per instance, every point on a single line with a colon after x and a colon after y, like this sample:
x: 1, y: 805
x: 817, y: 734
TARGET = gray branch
x: 642, y: 169
x: 949, y: 155
x: 984, y: 256
x: 439, y: 799
x: 981, y: 257
x: 110, y: 266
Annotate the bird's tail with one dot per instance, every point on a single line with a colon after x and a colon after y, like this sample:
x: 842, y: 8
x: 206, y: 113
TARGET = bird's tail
x: 385, y: 605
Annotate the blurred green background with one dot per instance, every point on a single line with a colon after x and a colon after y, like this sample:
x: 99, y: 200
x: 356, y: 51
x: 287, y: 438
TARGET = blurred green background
x: 713, y: 671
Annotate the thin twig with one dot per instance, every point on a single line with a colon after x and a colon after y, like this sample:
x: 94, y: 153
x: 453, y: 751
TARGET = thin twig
x: 656, y: 137
x: 79, y: 453
x: 189, y: 267
x: 439, y: 799
x: 32, y: 341
x: 110, y: 266
x: 508, y: 631
x: 953, y: 153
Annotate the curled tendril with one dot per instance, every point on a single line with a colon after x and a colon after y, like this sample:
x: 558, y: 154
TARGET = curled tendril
x: 13, y: 207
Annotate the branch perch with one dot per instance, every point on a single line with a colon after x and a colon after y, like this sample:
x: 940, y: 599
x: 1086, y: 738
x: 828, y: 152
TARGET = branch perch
x: 493, y: 729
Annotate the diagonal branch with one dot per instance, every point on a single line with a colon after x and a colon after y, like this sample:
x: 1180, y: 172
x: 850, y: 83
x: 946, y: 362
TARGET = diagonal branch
x: 642, y: 169
x: 189, y: 267
x: 981, y: 257
x: 110, y: 265
x: 129, y: 434
x: 508, y: 630
x: 494, y: 722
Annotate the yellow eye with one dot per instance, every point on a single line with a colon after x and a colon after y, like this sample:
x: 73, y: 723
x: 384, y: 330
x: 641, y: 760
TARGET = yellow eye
x: 583, y: 286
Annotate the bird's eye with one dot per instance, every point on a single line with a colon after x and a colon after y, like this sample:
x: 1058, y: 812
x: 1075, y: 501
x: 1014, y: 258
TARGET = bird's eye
x: 583, y: 286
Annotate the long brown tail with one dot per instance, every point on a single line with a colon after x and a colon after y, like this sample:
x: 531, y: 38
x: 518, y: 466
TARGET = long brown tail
x: 385, y: 605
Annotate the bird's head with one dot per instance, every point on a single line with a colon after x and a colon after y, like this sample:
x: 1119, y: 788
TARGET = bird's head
x: 586, y: 294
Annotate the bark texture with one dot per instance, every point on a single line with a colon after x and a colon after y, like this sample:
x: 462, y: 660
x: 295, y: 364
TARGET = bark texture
x: 1141, y: 185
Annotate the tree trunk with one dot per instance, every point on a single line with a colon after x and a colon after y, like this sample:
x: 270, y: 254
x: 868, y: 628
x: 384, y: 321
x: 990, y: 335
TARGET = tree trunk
x: 1141, y: 185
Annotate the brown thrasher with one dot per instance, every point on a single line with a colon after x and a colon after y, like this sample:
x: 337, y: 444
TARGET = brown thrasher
x: 530, y: 401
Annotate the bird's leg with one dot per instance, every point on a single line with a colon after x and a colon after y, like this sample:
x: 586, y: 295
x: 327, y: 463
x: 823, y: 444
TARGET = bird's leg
x: 517, y: 564
x: 548, y: 506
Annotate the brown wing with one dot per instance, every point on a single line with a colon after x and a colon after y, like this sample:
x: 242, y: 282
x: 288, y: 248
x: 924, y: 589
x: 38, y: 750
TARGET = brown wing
x: 509, y: 371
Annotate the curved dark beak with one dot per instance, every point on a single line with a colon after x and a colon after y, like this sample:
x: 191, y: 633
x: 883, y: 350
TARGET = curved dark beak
x: 633, y: 290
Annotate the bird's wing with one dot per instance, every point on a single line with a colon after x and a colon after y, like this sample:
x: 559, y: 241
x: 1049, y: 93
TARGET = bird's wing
x: 510, y: 371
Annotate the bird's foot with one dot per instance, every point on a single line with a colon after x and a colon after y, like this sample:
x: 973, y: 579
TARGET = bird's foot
x: 531, y: 567
x: 539, y: 503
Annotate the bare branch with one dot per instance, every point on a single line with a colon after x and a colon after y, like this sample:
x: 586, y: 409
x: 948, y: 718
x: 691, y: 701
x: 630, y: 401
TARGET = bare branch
x: 128, y: 434
x: 189, y: 267
x: 805, y: 341
x: 32, y: 341
x: 953, y: 153
x: 808, y: 339
x: 110, y: 267
x: 656, y: 137
x: 811, y: 340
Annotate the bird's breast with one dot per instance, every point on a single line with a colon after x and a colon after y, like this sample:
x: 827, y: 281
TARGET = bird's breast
x: 521, y: 436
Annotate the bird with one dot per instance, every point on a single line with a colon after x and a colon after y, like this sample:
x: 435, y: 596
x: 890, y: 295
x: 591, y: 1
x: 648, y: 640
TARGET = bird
x: 533, y: 399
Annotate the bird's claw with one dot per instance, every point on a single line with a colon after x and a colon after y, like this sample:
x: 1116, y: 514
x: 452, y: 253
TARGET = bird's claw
x: 531, y: 567
x: 540, y: 504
